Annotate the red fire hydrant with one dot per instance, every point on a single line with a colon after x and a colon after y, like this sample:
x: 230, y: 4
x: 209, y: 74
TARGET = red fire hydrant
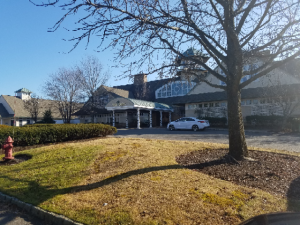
x: 7, y: 147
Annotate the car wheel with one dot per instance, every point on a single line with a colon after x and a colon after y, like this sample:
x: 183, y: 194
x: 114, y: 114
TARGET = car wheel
x: 171, y: 128
x: 195, y: 128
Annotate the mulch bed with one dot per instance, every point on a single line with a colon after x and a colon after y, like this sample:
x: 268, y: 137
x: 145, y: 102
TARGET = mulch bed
x: 271, y: 172
x: 17, y: 159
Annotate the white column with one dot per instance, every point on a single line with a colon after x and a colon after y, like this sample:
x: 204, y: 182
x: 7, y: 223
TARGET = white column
x: 138, y: 119
x: 160, y: 121
x: 170, y: 117
x: 150, y: 118
x: 113, y: 118
x: 126, y: 120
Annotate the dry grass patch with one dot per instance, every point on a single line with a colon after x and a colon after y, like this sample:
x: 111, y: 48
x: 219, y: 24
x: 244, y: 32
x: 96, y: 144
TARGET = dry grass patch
x: 141, y: 183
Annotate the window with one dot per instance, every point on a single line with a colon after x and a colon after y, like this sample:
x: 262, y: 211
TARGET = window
x: 217, y: 104
x: 211, y: 104
x: 262, y: 101
x: 28, y: 121
x: 243, y: 102
x: 20, y: 123
x: 255, y: 101
x: 190, y: 119
x: 200, y: 105
x: 248, y: 102
x: 223, y: 104
x: 205, y: 105
x: 178, y: 88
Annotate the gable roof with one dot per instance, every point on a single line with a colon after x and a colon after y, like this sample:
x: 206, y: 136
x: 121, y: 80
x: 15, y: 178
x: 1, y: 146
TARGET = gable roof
x: 118, y: 92
x: 18, y: 106
x: 3, y: 111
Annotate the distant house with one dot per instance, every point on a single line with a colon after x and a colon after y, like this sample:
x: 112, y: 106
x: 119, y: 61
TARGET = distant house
x: 160, y: 101
x: 13, y: 111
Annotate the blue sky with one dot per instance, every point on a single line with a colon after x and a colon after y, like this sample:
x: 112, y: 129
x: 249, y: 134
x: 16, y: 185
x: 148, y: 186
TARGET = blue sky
x: 29, y: 54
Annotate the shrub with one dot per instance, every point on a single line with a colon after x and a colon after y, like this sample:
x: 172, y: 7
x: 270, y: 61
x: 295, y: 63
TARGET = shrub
x: 264, y: 120
x: 41, y: 134
x: 216, y: 121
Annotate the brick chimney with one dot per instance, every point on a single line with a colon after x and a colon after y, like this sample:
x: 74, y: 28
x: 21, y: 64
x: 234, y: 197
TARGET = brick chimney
x: 140, y: 79
x: 140, y: 86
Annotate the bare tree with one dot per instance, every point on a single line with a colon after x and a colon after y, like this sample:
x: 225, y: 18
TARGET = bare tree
x: 92, y: 77
x: 230, y: 32
x: 65, y: 87
x: 280, y: 99
x: 32, y: 105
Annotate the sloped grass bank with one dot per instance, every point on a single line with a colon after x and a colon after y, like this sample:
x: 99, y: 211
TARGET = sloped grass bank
x: 131, y: 181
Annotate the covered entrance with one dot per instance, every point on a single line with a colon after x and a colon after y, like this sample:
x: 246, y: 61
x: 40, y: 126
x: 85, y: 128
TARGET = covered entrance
x: 141, y: 111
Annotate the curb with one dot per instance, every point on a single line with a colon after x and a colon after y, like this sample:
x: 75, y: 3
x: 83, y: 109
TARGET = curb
x: 253, y: 131
x: 53, y: 218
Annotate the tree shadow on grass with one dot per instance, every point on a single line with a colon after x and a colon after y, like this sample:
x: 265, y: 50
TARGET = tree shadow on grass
x: 36, y: 194
x: 293, y: 196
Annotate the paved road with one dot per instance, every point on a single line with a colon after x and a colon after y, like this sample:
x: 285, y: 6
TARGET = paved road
x: 11, y: 215
x: 290, y: 142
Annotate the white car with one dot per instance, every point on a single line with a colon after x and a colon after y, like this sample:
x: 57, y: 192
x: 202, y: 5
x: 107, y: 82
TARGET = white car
x: 188, y: 123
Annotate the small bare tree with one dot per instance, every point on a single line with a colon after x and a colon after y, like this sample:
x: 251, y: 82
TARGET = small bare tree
x: 92, y: 77
x: 32, y: 105
x: 281, y: 99
x: 65, y: 87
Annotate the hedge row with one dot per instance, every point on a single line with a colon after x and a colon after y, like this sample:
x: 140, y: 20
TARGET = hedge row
x: 216, y: 121
x: 32, y: 135
x: 264, y: 120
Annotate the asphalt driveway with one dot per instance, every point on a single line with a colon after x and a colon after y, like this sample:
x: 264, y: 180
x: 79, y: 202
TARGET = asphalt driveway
x: 289, y: 142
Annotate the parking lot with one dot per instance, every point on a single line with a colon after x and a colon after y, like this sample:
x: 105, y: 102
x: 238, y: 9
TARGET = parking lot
x: 261, y: 139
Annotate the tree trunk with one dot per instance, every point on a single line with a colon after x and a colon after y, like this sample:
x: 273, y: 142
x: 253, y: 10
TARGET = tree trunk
x: 237, y: 142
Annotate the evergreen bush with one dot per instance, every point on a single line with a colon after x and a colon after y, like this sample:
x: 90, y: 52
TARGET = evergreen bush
x: 41, y: 134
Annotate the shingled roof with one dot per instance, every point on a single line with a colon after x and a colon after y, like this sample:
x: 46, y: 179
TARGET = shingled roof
x: 17, y: 105
x: 118, y: 92
x: 3, y: 111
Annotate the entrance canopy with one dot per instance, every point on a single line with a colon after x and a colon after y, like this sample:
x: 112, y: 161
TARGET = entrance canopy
x: 129, y: 103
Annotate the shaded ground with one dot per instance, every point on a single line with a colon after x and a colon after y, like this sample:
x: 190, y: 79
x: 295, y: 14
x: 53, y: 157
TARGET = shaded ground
x: 272, y: 172
x: 17, y: 159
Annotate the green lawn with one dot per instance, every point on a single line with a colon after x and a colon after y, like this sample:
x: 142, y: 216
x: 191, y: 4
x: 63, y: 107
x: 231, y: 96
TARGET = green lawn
x: 139, y: 180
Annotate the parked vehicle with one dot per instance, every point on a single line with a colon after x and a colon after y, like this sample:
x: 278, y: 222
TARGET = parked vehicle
x: 188, y: 123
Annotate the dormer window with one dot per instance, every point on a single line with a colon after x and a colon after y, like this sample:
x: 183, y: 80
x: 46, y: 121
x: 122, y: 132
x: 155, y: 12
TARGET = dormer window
x: 178, y: 88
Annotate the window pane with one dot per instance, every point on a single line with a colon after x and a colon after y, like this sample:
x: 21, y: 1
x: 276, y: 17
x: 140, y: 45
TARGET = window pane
x: 217, y: 104
x: 159, y: 94
x: 223, y: 104
x: 255, y: 101
x: 211, y: 104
